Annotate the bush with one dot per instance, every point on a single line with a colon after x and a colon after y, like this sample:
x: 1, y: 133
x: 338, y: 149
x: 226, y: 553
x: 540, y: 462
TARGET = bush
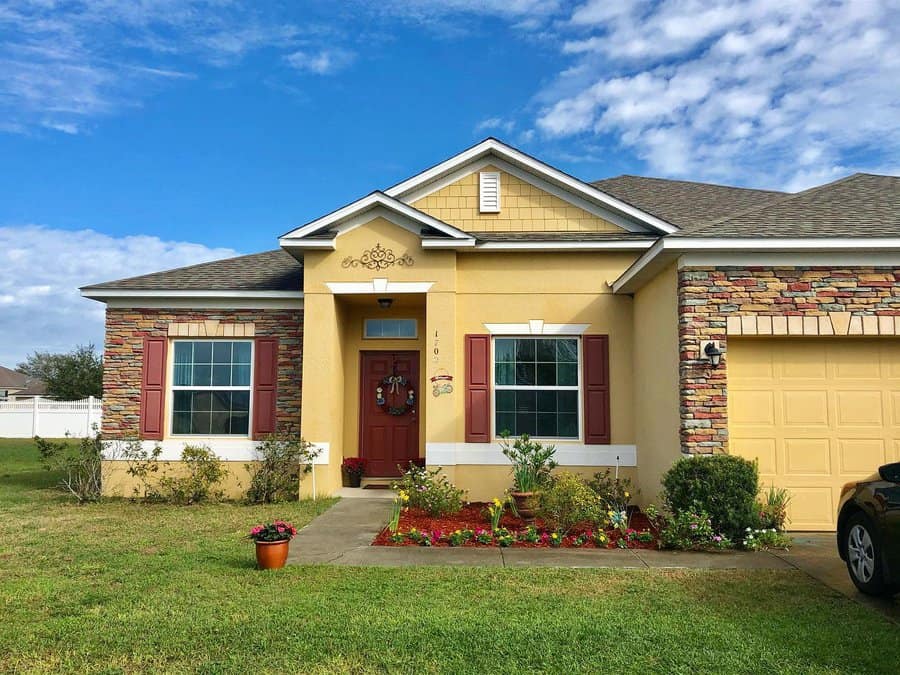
x: 430, y: 491
x: 691, y: 531
x: 80, y: 464
x: 765, y: 539
x: 724, y: 486
x: 191, y: 482
x: 276, y: 477
x: 614, y: 493
x: 567, y: 501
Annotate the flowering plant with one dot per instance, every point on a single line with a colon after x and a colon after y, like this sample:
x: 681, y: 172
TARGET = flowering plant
x: 398, y: 505
x: 354, y: 466
x: 692, y: 530
x: 275, y: 531
x: 601, y: 539
x: 504, y: 537
x: 530, y: 535
x: 460, y: 537
x: 484, y: 537
x: 495, y: 512
x: 764, y: 539
x: 555, y: 539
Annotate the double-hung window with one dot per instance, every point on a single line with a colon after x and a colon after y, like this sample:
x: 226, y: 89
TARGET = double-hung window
x: 536, y: 385
x: 211, y: 387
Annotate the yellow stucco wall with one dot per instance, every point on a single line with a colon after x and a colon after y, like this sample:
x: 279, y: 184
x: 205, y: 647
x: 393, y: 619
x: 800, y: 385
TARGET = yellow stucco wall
x: 656, y: 380
x: 523, y: 208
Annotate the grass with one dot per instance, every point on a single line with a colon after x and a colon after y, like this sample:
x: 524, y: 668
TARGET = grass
x: 121, y: 587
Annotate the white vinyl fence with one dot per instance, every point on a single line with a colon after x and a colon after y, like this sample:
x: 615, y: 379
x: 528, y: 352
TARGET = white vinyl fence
x: 48, y: 418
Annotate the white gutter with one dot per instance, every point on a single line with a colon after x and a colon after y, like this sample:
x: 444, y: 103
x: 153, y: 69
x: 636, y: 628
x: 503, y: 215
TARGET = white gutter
x: 666, y: 249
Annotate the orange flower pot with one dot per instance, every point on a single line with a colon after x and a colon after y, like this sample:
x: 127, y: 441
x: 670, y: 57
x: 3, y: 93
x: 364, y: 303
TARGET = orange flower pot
x: 272, y: 555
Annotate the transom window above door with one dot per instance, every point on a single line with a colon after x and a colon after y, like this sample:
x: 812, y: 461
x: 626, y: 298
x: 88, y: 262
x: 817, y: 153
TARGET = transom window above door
x: 211, y: 388
x: 390, y: 328
x: 536, y: 386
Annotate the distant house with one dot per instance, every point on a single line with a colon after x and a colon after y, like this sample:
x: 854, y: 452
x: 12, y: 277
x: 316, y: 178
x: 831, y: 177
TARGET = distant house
x: 14, y: 384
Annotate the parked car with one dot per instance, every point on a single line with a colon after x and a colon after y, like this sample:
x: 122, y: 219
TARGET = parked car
x: 868, y: 531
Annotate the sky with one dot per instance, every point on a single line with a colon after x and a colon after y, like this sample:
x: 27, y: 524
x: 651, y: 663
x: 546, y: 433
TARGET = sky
x: 139, y: 135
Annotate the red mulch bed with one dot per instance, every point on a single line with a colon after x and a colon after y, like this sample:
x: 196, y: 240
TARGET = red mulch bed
x: 473, y: 516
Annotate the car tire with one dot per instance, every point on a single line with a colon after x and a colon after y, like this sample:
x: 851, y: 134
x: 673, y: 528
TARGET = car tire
x: 864, y: 562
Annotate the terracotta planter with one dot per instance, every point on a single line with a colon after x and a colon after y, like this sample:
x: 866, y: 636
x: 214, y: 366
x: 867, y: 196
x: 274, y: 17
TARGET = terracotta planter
x: 525, y: 506
x: 271, y: 555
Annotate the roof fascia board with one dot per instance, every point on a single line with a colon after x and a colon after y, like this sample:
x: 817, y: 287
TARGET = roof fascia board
x: 539, y: 246
x: 360, y: 206
x: 515, y: 157
x: 96, y: 293
x: 203, y: 303
x: 667, y: 248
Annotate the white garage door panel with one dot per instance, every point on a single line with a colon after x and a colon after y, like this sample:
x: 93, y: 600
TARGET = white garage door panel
x: 815, y: 413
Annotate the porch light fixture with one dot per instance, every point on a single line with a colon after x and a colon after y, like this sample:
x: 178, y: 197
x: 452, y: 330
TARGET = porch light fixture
x: 713, y: 353
x: 385, y: 303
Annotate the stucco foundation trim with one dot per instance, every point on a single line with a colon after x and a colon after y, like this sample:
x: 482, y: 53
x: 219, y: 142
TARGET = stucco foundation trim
x: 835, y: 323
x: 451, y: 454
x: 226, y: 449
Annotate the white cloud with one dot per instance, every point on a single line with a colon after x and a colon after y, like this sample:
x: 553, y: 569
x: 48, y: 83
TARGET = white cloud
x: 495, y: 124
x: 64, y: 64
x: 41, y: 269
x: 322, y: 62
x: 763, y: 91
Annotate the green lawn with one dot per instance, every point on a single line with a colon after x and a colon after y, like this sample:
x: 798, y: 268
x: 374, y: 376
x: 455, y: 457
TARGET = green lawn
x: 122, y: 587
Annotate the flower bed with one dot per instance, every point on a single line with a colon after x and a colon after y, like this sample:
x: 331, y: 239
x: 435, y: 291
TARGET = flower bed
x: 471, y: 527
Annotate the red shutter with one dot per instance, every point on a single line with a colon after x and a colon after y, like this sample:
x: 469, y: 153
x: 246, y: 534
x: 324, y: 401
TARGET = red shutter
x: 595, y: 354
x: 153, y: 388
x: 478, y: 388
x: 265, y: 381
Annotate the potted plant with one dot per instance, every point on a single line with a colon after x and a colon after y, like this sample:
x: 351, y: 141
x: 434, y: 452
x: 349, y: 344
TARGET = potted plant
x: 353, y: 469
x: 531, y: 467
x: 272, y: 543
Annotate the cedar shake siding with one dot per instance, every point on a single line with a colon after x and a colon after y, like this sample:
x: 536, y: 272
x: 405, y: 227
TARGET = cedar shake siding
x: 126, y: 330
x: 714, y: 303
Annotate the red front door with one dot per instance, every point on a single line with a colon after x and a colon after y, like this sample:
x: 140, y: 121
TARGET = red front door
x: 389, y: 406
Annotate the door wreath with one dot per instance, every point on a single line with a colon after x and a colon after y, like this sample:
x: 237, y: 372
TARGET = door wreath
x: 395, y: 385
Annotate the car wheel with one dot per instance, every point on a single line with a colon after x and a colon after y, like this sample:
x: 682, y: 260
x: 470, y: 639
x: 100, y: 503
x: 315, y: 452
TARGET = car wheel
x: 864, y: 556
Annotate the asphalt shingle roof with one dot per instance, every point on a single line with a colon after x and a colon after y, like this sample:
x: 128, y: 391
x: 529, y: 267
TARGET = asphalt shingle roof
x: 861, y: 205
x: 683, y: 203
x: 269, y: 271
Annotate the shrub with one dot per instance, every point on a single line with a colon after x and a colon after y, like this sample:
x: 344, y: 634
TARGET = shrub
x: 430, y: 491
x: 532, y: 462
x: 690, y: 531
x: 283, y: 461
x: 567, y: 501
x: 80, y: 463
x: 191, y: 482
x: 773, y: 509
x: 354, y: 466
x: 724, y: 486
x: 614, y: 493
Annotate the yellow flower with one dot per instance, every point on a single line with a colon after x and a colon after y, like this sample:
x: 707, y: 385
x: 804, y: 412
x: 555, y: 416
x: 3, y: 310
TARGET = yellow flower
x: 554, y: 535
x: 610, y: 514
x: 497, y: 502
x: 405, y: 498
x: 627, y: 495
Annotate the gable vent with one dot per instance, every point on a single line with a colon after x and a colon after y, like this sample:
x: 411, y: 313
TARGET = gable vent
x: 489, y: 191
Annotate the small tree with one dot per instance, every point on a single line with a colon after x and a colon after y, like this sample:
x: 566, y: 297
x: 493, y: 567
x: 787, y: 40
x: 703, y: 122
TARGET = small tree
x: 283, y: 461
x: 69, y: 377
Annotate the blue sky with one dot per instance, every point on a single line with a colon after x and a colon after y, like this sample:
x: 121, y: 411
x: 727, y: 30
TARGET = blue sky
x: 140, y: 135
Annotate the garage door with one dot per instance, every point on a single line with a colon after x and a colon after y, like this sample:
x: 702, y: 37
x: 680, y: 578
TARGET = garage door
x: 816, y: 414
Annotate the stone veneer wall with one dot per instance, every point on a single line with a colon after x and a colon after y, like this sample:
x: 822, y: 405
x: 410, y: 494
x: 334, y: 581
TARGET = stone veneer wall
x: 123, y: 357
x: 789, y: 301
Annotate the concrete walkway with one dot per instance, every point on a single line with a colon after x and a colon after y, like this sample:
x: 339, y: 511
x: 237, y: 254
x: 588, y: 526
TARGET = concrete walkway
x: 343, y: 536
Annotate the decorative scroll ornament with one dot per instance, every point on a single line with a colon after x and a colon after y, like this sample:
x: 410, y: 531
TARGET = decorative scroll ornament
x: 378, y: 258
x: 395, y: 385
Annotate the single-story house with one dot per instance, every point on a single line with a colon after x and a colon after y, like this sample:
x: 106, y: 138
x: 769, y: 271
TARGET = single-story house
x: 628, y: 321
x: 14, y: 385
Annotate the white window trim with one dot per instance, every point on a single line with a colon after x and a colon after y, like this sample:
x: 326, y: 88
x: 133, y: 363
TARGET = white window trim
x: 414, y: 336
x: 519, y: 387
x: 172, y: 388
